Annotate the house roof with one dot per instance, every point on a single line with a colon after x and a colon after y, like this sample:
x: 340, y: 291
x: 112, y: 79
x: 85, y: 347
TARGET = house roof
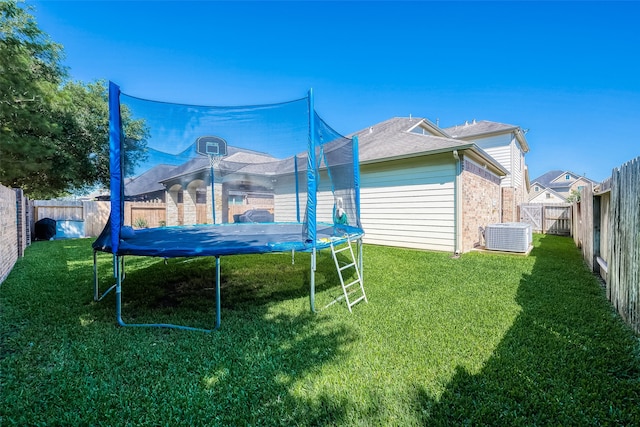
x: 577, y: 176
x: 235, y: 159
x: 484, y: 128
x: 396, y: 138
x: 547, y: 179
x: 474, y: 128
x: 149, y: 181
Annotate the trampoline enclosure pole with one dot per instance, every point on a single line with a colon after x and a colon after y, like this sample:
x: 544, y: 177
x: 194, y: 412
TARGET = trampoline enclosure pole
x: 295, y: 174
x: 213, y: 196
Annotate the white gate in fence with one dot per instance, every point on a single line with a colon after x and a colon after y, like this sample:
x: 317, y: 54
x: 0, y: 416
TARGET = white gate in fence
x: 549, y: 219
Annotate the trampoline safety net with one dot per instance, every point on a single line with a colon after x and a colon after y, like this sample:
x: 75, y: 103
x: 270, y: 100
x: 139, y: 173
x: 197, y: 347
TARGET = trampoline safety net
x: 183, y: 165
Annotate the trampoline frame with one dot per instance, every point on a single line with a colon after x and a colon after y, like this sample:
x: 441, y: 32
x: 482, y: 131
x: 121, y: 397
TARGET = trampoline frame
x: 119, y: 274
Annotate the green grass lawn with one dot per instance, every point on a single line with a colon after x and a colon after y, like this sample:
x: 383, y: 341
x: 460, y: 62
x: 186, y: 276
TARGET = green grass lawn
x: 483, y: 339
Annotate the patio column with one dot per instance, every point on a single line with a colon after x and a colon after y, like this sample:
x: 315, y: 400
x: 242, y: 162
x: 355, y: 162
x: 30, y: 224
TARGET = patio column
x: 172, y: 205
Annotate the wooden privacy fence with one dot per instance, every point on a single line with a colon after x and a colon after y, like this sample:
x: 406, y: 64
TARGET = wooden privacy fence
x: 145, y: 214
x: 92, y: 214
x: 549, y: 219
x: 607, y: 230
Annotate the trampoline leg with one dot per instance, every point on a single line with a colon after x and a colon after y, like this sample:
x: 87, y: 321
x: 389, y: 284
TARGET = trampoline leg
x: 119, y: 273
x: 118, y: 265
x: 217, y: 293
x: 96, y: 292
x: 312, y: 290
x: 360, y: 260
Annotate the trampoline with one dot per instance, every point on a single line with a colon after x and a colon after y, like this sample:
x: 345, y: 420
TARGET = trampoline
x: 228, y: 239
x: 202, y: 164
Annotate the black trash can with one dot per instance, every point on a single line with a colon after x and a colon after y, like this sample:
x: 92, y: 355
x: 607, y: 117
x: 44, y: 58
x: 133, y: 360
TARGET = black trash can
x: 45, y: 229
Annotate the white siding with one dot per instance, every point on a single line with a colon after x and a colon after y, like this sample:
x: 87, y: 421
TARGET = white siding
x: 506, y: 150
x: 518, y: 165
x: 285, y: 199
x: 542, y: 198
x: 409, y: 203
x: 500, y: 148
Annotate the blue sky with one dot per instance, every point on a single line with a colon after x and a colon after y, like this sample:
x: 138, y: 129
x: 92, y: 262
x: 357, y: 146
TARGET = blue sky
x: 569, y: 72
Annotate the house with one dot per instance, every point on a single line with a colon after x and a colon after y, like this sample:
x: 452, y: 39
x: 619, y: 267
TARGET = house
x: 508, y: 145
x: 540, y: 194
x: 147, y: 186
x: 186, y: 188
x: 556, y: 186
x: 423, y: 189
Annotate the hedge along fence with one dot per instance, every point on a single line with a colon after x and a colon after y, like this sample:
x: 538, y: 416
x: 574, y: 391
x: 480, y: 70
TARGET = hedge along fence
x: 607, y: 229
x: 15, y: 233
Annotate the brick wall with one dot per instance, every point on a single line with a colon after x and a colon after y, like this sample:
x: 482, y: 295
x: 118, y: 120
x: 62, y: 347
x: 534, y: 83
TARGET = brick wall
x: 511, y: 199
x: 8, y: 231
x: 480, y: 203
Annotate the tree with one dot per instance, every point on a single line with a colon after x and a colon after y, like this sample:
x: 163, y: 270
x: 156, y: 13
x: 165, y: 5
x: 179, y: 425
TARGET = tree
x: 53, y: 132
x: 30, y: 74
x: 83, y: 154
x: 574, y: 196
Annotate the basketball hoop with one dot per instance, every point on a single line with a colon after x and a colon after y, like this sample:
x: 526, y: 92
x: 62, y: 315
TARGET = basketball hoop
x: 215, y: 148
x: 214, y: 161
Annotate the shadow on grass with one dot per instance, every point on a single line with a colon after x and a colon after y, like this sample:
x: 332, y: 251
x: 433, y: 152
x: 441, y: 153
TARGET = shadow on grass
x: 189, y: 283
x: 67, y: 363
x: 567, y: 359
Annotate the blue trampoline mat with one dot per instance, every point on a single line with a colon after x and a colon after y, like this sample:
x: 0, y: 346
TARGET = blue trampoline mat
x: 227, y: 239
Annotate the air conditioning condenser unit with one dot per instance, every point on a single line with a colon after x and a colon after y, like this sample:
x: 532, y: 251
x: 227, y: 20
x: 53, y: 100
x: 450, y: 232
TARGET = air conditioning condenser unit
x: 508, y: 237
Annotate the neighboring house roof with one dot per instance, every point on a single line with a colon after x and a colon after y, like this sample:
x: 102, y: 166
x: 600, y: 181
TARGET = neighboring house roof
x: 154, y: 179
x: 149, y: 181
x: 538, y: 184
x: 233, y: 161
x: 546, y: 178
x: 397, y: 138
x: 577, y: 177
x: 484, y: 128
x: 556, y: 181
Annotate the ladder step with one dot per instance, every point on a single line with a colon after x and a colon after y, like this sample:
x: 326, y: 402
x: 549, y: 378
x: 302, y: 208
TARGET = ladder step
x: 341, y: 250
x: 351, y: 304
x: 344, y: 267
x: 352, y: 283
x: 348, y: 289
x: 352, y: 294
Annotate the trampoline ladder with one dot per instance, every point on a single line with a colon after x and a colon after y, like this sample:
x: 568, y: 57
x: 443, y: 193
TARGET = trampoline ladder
x: 354, y: 290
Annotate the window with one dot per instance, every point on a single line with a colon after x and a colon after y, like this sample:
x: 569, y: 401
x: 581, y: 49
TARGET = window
x: 567, y: 177
x: 201, y: 196
x: 236, y: 200
x: 548, y: 195
x: 536, y: 188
